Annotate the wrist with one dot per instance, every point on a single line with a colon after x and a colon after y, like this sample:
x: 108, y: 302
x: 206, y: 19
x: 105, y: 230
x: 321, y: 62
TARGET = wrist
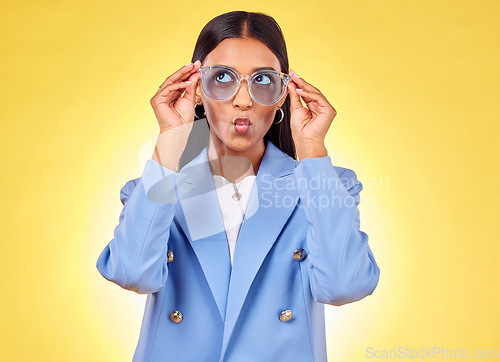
x: 311, y: 150
x: 169, y: 148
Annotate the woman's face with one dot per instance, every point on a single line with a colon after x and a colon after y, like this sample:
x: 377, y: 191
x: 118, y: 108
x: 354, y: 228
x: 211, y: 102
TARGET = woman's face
x: 244, y: 56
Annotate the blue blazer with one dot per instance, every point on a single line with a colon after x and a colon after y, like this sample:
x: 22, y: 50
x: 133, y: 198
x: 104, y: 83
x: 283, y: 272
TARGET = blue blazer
x: 299, y: 247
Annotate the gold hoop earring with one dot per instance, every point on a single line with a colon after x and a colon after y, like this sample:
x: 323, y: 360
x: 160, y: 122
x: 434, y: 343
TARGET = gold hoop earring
x: 282, y: 116
x: 195, y: 114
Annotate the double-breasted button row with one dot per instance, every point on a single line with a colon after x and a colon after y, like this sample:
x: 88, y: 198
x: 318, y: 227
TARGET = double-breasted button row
x: 170, y: 256
x: 299, y: 254
x: 176, y: 316
x: 286, y: 315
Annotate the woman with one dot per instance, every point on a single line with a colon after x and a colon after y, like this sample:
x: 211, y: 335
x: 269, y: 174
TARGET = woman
x: 240, y: 249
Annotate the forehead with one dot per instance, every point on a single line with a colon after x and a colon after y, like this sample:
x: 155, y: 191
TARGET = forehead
x: 243, y: 55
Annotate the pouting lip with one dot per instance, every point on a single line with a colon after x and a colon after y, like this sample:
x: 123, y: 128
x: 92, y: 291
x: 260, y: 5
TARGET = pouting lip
x: 244, y: 119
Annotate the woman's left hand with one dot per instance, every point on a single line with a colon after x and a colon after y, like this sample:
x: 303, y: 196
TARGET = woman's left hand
x: 309, y: 124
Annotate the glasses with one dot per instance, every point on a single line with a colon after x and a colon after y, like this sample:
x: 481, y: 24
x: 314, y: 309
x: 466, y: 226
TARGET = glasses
x: 265, y: 86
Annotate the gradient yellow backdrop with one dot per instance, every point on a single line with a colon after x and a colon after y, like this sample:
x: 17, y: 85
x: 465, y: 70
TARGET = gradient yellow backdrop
x: 415, y: 84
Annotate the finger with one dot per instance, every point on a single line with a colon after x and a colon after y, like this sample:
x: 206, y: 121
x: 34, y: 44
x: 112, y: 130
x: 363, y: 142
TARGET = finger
x: 175, y: 77
x: 190, y: 91
x: 194, y: 70
x: 317, y: 101
x: 309, y: 97
x: 173, y: 86
x: 171, y: 91
x: 295, y: 102
x: 302, y: 84
x: 182, y: 74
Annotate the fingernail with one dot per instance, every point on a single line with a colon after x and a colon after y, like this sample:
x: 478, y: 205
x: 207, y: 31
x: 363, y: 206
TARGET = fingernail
x: 198, y: 61
x: 188, y: 64
x: 295, y: 74
x: 299, y: 90
x: 188, y: 82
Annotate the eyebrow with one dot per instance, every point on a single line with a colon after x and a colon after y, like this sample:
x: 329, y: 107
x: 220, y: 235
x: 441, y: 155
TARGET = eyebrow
x: 263, y: 68
x: 253, y: 70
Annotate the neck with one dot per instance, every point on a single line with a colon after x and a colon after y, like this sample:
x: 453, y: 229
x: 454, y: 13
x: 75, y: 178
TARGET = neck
x: 232, y: 164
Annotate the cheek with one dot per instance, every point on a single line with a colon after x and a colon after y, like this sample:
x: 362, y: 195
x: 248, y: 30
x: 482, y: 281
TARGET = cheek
x: 268, y: 116
x: 213, y: 110
x: 217, y: 116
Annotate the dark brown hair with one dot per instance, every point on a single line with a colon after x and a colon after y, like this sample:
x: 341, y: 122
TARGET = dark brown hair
x: 242, y: 24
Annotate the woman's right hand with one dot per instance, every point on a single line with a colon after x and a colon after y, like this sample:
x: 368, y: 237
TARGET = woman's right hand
x: 171, y: 109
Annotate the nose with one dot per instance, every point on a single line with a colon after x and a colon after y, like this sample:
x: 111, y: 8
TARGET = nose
x: 242, y: 98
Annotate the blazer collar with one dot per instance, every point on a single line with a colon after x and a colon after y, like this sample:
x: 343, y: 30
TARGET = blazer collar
x: 274, y: 163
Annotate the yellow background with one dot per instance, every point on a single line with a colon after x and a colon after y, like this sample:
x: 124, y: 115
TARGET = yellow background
x: 415, y: 84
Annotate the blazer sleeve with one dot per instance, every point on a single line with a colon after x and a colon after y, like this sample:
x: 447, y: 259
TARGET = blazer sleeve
x: 136, y: 258
x: 341, y: 265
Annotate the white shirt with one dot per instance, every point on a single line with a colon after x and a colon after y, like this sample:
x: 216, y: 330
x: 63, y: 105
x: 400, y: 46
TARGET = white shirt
x: 233, y: 211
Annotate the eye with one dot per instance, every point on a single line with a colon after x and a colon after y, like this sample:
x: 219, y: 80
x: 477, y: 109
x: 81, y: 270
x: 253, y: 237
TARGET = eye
x: 263, y: 79
x: 223, y: 77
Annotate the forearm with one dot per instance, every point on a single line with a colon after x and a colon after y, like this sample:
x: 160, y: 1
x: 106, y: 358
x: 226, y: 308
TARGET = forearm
x: 343, y: 268
x: 136, y: 257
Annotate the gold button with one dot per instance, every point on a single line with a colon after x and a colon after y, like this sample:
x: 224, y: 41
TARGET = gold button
x: 299, y: 254
x: 176, y: 316
x: 286, y: 315
x: 170, y: 256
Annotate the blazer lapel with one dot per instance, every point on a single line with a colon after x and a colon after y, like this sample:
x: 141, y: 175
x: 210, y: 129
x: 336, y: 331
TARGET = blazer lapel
x: 269, y: 208
x: 202, y: 223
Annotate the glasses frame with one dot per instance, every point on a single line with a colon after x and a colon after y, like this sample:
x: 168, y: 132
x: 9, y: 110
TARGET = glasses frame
x: 285, y: 79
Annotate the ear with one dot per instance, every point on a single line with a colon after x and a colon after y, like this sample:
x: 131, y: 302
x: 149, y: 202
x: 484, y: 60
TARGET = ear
x: 283, y: 99
x: 197, y: 93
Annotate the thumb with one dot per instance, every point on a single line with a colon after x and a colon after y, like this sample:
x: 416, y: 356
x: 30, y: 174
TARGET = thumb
x: 295, y: 102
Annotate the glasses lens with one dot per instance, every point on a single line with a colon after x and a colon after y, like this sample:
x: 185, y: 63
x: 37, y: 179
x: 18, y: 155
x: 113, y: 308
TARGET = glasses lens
x: 220, y: 83
x: 267, y: 87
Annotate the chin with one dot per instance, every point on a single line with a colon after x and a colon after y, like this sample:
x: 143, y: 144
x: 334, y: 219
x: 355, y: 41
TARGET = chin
x: 240, y: 144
